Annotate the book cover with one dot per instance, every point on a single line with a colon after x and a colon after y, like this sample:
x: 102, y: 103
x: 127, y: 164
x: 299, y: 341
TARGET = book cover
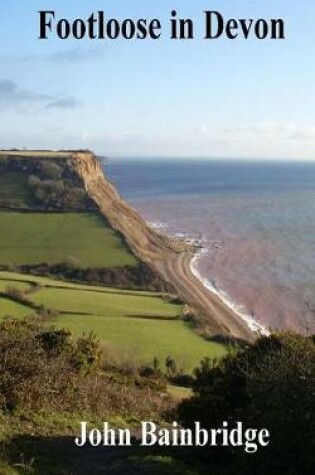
x: 157, y: 222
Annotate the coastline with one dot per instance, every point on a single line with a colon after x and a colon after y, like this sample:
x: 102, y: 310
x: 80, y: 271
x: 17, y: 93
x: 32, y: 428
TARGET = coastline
x: 252, y: 323
x: 171, y: 257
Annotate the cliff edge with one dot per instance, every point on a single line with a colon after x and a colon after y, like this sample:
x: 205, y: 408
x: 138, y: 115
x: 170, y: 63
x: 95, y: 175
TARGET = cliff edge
x: 170, y: 257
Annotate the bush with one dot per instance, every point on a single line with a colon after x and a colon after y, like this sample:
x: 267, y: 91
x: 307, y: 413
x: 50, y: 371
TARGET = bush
x: 45, y: 369
x: 18, y: 296
x: 50, y: 170
x: 139, y: 277
x: 54, y: 186
x: 40, y: 367
x: 267, y: 385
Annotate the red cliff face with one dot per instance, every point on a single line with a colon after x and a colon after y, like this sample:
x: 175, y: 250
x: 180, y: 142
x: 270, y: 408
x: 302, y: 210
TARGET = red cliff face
x: 144, y: 241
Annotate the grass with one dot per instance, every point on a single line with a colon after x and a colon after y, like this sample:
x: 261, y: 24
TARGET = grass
x: 5, y: 469
x: 179, y: 393
x: 10, y: 278
x: 10, y: 308
x: 143, y: 340
x: 81, y: 238
x: 7, y: 283
x: 14, y: 186
x: 137, y: 325
x: 133, y: 326
x: 29, y: 455
x: 111, y: 304
x: 42, y: 444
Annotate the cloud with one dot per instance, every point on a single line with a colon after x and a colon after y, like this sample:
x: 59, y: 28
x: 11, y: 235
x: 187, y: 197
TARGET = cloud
x: 16, y: 98
x: 63, y: 57
x: 11, y: 95
x: 64, y: 103
x: 75, y: 55
x: 271, y: 131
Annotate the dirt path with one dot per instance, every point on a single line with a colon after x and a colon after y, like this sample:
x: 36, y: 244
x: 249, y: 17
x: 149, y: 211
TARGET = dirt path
x: 169, y: 256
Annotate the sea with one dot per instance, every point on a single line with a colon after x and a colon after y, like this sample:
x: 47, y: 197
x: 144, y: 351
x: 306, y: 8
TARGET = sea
x: 254, y: 221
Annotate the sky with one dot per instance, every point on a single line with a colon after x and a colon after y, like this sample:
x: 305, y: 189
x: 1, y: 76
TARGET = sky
x: 165, y: 98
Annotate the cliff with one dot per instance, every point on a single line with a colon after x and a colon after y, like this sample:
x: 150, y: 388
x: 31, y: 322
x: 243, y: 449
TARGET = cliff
x: 143, y: 240
x: 170, y: 257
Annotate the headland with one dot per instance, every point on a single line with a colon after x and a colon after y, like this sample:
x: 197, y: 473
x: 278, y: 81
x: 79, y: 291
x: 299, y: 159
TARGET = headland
x: 171, y: 257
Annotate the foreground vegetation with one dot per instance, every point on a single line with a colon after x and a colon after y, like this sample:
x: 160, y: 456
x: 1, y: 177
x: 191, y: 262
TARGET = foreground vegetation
x: 270, y: 384
x: 49, y: 382
x: 97, y: 353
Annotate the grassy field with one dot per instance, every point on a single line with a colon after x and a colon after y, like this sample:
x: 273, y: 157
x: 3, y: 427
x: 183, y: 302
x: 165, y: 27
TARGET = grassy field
x: 10, y: 308
x: 13, y: 277
x: 112, y: 304
x: 34, y: 153
x: 133, y: 326
x: 83, y: 239
x: 8, y: 283
x: 143, y: 340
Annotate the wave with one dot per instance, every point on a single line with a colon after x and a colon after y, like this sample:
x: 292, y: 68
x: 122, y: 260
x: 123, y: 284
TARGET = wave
x: 200, y: 244
x: 238, y: 310
x: 157, y: 224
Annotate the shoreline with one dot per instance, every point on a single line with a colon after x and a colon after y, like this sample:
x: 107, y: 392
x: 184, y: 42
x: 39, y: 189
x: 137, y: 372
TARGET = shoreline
x: 253, y: 324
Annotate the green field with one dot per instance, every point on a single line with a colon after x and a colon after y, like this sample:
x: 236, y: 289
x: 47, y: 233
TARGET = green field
x: 113, y: 304
x: 8, y: 283
x: 9, y: 308
x: 143, y: 340
x: 80, y: 238
x: 13, y: 277
x: 134, y: 326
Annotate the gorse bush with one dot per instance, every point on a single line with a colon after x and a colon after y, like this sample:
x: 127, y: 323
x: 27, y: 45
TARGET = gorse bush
x: 41, y: 367
x: 270, y: 384
x: 44, y: 368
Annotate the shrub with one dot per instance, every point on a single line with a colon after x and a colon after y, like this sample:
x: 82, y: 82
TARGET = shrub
x: 45, y: 369
x: 140, y: 277
x: 16, y: 295
x: 40, y: 367
x: 50, y: 170
x: 270, y: 384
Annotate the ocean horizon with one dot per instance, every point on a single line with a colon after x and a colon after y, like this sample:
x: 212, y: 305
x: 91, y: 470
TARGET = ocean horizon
x: 255, y: 221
